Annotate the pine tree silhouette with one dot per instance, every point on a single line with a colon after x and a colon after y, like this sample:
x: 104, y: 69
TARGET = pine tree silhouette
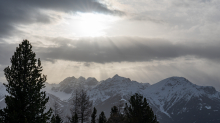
x: 115, y: 116
x: 139, y: 111
x: 102, y: 118
x: 25, y: 102
x: 93, y: 116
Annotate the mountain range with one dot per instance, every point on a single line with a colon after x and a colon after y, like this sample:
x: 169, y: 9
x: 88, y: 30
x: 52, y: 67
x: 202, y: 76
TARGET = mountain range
x: 173, y: 100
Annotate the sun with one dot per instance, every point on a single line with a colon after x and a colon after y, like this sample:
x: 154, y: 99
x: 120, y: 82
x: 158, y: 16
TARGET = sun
x: 94, y: 24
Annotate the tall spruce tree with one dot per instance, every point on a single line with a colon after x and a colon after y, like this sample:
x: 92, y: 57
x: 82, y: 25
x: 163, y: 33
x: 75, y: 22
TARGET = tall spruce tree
x: 73, y: 119
x: 25, y: 102
x: 93, y: 116
x: 102, y: 118
x: 115, y: 116
x: 56, y: 119
x: 1, y: 116
x: 138, y: 111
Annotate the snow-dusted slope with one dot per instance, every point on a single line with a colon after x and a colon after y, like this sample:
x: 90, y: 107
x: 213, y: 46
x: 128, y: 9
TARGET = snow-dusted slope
x: 174, y: 99
x: 115, y: 86
x: 176, y: 96
x: 177, y: 87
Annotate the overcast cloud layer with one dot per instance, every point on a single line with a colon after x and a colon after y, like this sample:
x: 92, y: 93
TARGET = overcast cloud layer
x: 15, y: 12
x: 146, y: 40
x: 126, y: 49
x: 113, y: 49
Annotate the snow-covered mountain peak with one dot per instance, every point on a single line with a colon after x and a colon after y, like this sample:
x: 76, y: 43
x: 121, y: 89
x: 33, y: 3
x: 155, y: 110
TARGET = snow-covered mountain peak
x: 68, y: 80
x: 116, y: 76
x: 173, y: 90
x: 91, y: 81
x: 182, y: 84
x: 70, y: 84
x: 116, y: 86
x: 118, y: 79
x: 81, y: 79
x: 172, y: 86
x: 175, y: 81
x: 90, y: 78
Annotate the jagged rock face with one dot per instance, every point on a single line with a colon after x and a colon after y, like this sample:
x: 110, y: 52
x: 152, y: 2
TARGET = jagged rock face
x: 174, y: 99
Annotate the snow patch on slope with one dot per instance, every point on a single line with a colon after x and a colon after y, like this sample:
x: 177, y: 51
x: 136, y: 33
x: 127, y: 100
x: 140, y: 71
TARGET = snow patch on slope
x: 174, y: 89
x: 116, y: 85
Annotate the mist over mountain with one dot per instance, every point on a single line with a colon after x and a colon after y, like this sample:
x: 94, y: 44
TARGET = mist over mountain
x: 174, y: 99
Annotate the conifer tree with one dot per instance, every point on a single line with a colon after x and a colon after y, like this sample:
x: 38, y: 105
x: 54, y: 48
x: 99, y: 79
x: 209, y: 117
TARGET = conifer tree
x: 102, y: 118
x: 93, y: 116
x: 1, y: 116
x: 115, y: 116
x: 74, y: 118
x: 139, y: 111
x: 56, y: 119
x: 53, y: 119
x: 56, y: 113
x: 25, y: 102
x: 82, y: 106
x: 114, y: 111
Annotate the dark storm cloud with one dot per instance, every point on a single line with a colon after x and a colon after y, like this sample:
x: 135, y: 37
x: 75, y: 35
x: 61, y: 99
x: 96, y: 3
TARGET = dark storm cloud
x: 119, y: 49
x: 64, y: 5
x: 15, y: 12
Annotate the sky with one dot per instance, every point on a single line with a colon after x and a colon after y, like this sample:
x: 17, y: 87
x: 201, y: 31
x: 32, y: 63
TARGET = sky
x: 144, y: 40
